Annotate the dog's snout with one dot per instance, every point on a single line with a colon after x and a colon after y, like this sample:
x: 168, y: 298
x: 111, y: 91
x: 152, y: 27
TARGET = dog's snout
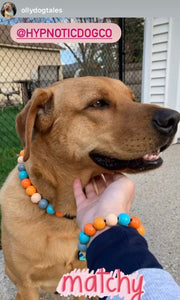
x: 166, y: 120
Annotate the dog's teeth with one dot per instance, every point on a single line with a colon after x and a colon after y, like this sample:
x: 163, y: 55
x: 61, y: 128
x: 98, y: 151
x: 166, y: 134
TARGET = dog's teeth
x: 152, y: 156
x: 147, y: 156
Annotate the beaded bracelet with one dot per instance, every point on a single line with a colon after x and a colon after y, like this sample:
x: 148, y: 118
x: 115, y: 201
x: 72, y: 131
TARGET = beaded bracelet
x: 111, y: 220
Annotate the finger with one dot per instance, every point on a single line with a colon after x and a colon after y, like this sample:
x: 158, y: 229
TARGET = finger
x: 78, y: 192
x: 102, y: 181
x: 131, y: 197
x: 128, y: 190
x: 90, y: 190
x: 112, y: 177
x: 98, y: 184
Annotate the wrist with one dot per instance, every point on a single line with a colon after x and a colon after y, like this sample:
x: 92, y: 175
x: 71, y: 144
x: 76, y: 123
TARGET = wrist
x: 120, y: 247
x: 96, y: 234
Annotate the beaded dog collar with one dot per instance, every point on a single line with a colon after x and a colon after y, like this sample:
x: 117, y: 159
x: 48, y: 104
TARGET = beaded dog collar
x: 31, y: 191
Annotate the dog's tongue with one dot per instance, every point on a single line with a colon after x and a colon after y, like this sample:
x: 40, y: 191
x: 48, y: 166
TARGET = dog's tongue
x: 152, y: 156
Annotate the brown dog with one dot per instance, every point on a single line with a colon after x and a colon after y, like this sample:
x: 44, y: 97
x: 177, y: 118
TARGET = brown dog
x: 77, y: 128
x: 8, y: 10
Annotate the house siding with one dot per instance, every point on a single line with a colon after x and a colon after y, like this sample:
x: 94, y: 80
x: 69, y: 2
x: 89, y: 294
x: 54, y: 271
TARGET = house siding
x: 161, y: 64
x: 160, y: 31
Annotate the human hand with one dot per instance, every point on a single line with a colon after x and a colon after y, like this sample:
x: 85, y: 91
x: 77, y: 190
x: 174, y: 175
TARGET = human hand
x: 115, y: 196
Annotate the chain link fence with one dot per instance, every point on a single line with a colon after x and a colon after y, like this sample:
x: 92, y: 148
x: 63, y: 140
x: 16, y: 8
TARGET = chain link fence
x: 24, y: 67
x: 133, y: 35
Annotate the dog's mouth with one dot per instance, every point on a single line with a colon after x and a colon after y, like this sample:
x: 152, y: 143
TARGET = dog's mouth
x: 147, y: 162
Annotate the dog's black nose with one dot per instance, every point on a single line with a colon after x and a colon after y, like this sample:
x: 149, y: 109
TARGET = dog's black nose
x: 166, y: 120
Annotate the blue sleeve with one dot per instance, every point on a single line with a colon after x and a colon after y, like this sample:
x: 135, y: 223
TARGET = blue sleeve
x: 159, y: 285
x: 120, y: 247
x: 124, y: 248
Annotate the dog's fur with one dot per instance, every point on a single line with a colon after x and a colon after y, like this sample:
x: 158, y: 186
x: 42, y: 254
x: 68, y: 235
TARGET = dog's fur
x: 59, y: 127
x: 8, y: 10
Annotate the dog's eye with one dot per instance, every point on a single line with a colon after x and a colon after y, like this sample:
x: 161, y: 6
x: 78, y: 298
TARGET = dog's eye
x: 99, y: 104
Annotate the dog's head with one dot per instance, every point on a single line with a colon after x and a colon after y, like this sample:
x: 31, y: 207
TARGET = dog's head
x: 8, y: 9
x: 95, y: 123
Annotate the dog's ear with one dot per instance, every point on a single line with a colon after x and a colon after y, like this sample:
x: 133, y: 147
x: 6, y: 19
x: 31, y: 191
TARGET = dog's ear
x: 132, y: 94
x: 38, y: 115
x: 3, y: 11
x: 14, y: 8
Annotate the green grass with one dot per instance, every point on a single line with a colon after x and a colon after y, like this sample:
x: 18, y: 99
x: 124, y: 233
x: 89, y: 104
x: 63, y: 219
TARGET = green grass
x: 10, y: 144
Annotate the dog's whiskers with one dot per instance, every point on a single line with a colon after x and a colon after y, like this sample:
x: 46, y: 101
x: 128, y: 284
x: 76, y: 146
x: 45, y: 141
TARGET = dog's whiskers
x: 95, y: 186
x: 103, y: 178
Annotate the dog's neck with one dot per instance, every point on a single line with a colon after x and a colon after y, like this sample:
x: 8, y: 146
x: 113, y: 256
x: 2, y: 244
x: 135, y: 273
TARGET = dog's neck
x: 9, y: 14
x: 55, y: 182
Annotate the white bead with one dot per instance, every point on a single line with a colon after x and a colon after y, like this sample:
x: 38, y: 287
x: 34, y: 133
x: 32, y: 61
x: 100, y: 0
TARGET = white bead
x: 20, y: 159
x: 36, y: 197
x: 111, y: 220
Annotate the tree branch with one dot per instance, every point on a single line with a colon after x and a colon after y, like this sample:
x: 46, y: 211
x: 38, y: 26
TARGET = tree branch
x: 74, y: 54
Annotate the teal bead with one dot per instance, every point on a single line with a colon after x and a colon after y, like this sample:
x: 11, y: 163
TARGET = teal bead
x: 82, y: 247
x: 124, y: 219
x: 21, y: 167
x: 23, y: 175
x: 84, y: 238
x: 81, y: 256
x: 43, y: 203
x: 50, y: 210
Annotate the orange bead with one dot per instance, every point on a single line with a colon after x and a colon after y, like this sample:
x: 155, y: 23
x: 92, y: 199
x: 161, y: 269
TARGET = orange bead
x: 89, y: 229
x: 99, y: 223
x: 141, y: 230
x: 26, y: 182
x: 22, y: 153
x: 59, y: 214
x: 135, y: 222
x: 30, y: 190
